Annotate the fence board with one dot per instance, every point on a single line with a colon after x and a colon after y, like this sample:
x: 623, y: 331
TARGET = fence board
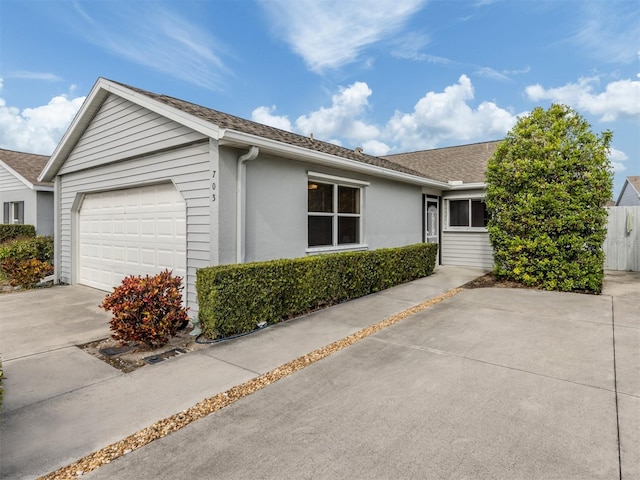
x: 622, y: 245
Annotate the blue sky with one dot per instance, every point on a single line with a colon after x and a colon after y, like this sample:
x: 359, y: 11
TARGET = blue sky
x: 390, y: 76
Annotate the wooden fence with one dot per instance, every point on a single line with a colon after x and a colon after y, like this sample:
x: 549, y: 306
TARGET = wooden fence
x: 622, y: 245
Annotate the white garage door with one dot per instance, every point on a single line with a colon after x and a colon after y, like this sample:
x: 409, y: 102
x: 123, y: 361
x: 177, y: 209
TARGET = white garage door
x: 136, y: 231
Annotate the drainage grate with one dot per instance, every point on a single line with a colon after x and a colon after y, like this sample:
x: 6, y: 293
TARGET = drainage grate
x: 163, y: 356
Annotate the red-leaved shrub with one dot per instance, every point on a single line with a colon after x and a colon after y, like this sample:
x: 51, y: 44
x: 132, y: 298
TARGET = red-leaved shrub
x: 146, y: 309
x: 25, y: 273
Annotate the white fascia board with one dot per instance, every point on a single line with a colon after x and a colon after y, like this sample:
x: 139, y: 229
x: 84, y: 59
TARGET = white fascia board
x: 235, y: 138
x: 469, y: 186
x: 42, y: 188
x: 77, y: 127
x: 92, y: 104
x: 16, y: 174
x: 624, y: 187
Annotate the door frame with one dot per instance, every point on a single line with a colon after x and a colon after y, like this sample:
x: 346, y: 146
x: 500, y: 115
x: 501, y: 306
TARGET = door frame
x: 428, y: 201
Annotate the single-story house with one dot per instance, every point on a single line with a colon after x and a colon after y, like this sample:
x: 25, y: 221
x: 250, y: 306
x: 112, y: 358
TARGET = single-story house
x: 145, y: 182
x: 23, y: 197
x: 630, y: 193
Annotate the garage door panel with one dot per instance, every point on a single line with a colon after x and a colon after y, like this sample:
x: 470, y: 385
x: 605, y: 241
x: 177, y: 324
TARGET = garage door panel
x: 131, y: 232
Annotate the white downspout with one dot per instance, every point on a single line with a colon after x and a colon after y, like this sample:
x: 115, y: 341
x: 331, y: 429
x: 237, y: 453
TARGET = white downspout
x: 241, y: 201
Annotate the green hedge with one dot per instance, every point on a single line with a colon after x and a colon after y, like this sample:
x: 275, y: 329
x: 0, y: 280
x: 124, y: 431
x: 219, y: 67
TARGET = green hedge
x: 18, y: 249
x: 9, y: 231
x: 233, y: 299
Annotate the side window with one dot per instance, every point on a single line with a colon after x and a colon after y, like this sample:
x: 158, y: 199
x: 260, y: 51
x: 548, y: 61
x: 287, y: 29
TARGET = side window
x: 468, y: 213
x: 13, y: 212
x: 334, y: 214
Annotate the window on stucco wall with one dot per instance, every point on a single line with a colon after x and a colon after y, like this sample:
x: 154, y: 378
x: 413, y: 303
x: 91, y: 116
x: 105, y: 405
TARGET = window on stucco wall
x: 335, y: 207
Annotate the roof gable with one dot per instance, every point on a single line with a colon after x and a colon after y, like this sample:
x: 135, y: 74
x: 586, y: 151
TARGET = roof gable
x: 25, y: 166
x: 632, y: 182
x: 635, y: 183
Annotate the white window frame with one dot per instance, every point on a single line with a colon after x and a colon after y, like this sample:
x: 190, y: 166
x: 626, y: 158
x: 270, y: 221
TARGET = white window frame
x: 339, y: 182
x: 447, y: 224
x: 14, y: 213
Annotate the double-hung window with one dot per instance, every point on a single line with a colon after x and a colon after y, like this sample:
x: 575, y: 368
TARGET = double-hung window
x: 334, y: 211
x: 468, y: 213
x: 13, y: 212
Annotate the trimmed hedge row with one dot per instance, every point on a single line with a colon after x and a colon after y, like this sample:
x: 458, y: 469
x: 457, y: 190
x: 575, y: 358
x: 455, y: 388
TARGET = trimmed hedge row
x: 11, y: 231
x: 20, y: 249
x: 233, y: 299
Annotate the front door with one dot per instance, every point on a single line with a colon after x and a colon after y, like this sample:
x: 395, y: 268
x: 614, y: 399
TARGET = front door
x: 432, y: 227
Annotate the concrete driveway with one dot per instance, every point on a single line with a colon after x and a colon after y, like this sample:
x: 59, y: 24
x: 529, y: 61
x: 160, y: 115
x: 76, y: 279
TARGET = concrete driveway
x: 491, y: 383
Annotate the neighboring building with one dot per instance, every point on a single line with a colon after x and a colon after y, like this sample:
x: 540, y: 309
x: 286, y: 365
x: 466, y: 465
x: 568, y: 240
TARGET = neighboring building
x: 146, y: 182
x: 630, y: 193
x: 24, y: 199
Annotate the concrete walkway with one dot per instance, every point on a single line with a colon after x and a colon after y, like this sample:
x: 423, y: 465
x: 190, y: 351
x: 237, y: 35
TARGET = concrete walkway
x: 491, y: 383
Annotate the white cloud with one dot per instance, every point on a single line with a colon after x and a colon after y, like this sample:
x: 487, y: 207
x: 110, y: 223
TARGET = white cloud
x: 616, y: 157
x: 607, y: 30
x: 46, y: 76
x: 489, y: 72
x: 333, y: 33
x: 620, y: 99
x: 375, y: 147
x: 447, y: 115
x: 438, y: 117
x: 157, y: 38
x: 37, y: 129
x: 265, y: 116
x: 342, y: 117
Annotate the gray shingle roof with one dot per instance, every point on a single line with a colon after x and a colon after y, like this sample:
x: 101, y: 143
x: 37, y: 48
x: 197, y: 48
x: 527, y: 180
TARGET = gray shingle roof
x: 225, y: 120
x: 465, y: 162
x: 29, y: 165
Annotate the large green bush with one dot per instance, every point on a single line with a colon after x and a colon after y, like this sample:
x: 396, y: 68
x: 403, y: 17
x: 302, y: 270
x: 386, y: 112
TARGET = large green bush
x: 18, y: 249
x: 233, y: 299
x: 548, y: 183
x: 11, y: 231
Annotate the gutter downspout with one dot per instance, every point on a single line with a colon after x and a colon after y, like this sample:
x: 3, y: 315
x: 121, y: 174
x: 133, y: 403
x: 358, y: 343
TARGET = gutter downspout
x: 241, y: 196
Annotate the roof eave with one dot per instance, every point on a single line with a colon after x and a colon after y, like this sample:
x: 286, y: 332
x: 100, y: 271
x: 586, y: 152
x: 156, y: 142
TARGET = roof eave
x: 240, y: 139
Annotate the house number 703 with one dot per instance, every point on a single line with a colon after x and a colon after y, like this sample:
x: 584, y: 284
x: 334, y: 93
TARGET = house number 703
x: 213, y: 186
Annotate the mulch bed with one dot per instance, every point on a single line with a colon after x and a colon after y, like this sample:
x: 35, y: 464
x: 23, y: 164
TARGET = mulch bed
x: 129, y: 357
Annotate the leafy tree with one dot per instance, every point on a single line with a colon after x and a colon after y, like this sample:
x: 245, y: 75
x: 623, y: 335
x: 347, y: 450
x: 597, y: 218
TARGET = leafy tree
x: 548, y: 183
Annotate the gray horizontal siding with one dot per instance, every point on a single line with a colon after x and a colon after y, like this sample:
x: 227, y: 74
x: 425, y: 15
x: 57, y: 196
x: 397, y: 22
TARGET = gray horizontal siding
x: 9, y: 182
x: 187, y: 167
x: 121, y: 130
x: 470, y: 249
